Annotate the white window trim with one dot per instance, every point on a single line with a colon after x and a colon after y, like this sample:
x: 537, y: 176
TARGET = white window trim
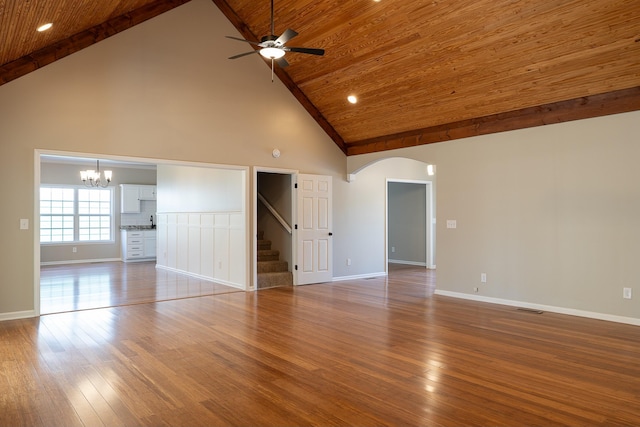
x: 76, y: 215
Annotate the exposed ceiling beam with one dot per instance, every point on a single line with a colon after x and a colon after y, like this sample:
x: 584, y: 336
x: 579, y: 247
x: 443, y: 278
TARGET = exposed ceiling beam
x: 244, y: 30
x: 79, y: 41
x: 620, y: 101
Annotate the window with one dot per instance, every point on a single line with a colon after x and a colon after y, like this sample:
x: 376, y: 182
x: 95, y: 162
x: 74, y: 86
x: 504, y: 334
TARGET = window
x: 56, y: 214
x: 94, y: 215
x: 69, y: 214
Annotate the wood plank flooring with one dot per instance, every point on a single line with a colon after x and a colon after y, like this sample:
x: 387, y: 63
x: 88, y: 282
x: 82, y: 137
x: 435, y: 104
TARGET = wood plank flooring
x: 110, y: 284
x: 383, y: 351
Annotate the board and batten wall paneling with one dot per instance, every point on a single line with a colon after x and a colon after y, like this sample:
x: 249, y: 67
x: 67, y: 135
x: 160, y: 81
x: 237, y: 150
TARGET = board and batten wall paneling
x: 209, y: 245
x: 221, y: 239
x: 194, y: 252
x: 237, y: 249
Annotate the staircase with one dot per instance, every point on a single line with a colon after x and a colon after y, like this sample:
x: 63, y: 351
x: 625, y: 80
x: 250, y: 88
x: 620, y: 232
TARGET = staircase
x: 271, y: 271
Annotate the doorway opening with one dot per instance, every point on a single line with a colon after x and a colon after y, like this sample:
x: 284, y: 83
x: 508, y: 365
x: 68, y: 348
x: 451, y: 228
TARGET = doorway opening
x: 410, y: 223
x: 273, y: 223
x: 76, y: 274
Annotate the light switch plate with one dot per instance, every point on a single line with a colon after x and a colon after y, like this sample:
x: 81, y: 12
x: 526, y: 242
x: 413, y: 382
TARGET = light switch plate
x: 24, y: 224
x: 451, y: 223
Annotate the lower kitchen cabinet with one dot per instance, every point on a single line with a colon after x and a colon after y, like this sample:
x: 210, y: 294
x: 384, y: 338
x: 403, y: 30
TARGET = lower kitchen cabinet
x: 138, y: 245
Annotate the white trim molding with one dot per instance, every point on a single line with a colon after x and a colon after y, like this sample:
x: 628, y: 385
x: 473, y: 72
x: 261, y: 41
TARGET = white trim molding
x: 359, y: 276
x: 542, y: 307
x: 201, y: 277
x: 18, y: 315
x: 416, y: 263
x: 82, y: 261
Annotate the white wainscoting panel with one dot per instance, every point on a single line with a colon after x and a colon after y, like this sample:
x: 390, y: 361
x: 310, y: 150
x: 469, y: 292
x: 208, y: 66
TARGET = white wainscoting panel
x: 207, y: 242
x: 210, y: 245
x: 182, y: 250
x: 195, y: 252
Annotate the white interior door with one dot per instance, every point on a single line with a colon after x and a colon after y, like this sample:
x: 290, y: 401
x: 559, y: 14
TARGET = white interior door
x: 313, y: 229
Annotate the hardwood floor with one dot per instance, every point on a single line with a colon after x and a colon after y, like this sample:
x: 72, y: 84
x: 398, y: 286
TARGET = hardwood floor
x: 382, y: 351
x: 110, y: 284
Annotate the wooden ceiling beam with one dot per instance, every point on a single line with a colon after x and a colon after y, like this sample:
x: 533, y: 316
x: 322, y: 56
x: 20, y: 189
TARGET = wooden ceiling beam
x: 620, y: 101
x: 244, y: 30
x: 86, y: 38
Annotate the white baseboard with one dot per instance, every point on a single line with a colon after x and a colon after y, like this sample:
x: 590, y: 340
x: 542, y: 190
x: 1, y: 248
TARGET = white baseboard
x: 80, y: 261
x: 359, y: 276
x: 17, y: 315
x: 542, y: 307
x: 400, y: 261
x: 201, y: 277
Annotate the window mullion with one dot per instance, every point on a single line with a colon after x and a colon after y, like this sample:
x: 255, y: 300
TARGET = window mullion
x: 76, y: 216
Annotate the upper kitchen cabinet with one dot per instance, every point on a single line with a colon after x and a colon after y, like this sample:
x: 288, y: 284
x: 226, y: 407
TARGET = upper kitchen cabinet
x: 131, y: 195
x: 147, y: 192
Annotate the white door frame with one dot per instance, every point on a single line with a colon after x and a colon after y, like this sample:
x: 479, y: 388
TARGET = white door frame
x: 254, y: 219
x: 429, y: 217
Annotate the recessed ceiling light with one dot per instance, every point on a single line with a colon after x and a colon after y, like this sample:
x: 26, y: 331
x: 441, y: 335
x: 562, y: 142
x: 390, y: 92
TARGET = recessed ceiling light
x: 352, y: 99
x: 45, y: 27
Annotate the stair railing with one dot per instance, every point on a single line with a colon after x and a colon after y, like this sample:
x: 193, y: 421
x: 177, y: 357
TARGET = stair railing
x: 275, y: 213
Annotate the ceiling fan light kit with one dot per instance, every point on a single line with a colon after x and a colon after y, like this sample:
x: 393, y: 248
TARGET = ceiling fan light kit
x: 271, y: 52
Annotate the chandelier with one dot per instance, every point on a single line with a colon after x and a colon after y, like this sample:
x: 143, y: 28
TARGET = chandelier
x: 93, y: 178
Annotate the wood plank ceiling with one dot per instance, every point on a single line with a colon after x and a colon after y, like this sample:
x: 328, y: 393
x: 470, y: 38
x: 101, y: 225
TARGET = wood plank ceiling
x: 424, y: 71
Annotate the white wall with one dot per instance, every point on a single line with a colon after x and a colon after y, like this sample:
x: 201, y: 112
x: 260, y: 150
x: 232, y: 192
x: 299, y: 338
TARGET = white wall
x: 550, y: 214
x: 200, y: 189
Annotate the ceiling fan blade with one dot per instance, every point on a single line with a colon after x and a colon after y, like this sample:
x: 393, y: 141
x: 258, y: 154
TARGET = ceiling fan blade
x: 243, y: 54
x: 308, y: 50
x: 286, y: 36
x: 282, y: 62
x: 242, y: 40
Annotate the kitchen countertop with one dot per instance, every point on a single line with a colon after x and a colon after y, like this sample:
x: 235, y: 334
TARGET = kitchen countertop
x: 138, y: 227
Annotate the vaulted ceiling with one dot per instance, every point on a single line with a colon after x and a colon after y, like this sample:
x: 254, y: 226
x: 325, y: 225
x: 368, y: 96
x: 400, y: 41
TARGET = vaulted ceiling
x: 423, y: 70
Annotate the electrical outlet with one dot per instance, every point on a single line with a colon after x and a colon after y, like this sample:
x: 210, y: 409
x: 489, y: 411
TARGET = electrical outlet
x: 24, y: 224
x: 393, y: 248
x: 476, y: 289
x: 74, y: 250
x: 483, y: 277
x: 626, y: 293
x: 348, y: 261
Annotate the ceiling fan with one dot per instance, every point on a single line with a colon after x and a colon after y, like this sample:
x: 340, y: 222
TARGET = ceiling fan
x: 273, y: 47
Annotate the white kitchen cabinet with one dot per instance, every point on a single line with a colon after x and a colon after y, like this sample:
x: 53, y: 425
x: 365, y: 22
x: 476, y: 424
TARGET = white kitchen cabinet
x: 138, y: 245
x: 149, y: 243
x: 131, y: 195
x: 147, y: 192
x: 129, y: 199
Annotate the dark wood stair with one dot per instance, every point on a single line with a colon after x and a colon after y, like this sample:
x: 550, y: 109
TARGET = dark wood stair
x: 271, y: 271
